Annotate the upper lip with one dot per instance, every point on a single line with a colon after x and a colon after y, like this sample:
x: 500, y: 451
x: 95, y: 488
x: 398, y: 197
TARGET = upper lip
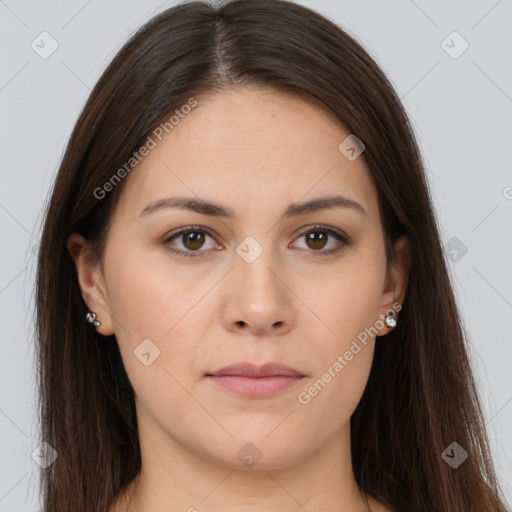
x: 252, y: 370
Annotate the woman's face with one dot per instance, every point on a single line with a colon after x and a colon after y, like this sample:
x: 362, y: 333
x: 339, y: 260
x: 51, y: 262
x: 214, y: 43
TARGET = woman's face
x: 254, y: 285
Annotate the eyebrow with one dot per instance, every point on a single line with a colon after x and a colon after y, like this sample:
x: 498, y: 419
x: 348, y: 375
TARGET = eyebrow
x: 293, y: 210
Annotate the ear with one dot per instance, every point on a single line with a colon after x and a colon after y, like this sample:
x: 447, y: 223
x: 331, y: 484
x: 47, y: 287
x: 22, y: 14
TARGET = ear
x: 91, y: 282
x: 396, y: 281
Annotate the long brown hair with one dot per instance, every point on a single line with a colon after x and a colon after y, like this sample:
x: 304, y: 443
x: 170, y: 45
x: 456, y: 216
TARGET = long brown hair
x: 421, y: 394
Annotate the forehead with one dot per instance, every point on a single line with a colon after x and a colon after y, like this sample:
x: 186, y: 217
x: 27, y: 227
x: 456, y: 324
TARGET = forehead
x: 251, y: 147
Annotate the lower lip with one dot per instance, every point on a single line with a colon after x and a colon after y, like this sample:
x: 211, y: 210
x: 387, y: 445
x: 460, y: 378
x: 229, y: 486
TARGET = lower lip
x: 255, y: 387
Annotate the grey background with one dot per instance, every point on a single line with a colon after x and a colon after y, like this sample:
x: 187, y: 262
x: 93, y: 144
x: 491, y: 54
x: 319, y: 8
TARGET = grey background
x: 460, y: 107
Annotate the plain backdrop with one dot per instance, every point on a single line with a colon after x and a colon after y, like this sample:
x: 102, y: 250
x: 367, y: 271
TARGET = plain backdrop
x: 457, y: 90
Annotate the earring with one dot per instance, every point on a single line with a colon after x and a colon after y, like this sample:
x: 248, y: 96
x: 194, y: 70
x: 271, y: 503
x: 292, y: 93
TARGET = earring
x: 390, y: 319
x: 91, y: 318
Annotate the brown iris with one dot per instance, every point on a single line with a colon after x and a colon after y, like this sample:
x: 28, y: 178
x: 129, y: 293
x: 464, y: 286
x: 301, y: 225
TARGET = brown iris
x: 318, y: 240
x: 193, y: 239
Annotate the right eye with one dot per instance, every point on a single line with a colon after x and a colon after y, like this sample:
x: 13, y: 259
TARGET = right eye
x: 191, y: 237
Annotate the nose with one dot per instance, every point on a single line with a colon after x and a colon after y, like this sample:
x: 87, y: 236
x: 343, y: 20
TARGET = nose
x: 258, y: 299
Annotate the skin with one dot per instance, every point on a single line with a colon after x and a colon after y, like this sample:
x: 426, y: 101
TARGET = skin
x: 256, y: 151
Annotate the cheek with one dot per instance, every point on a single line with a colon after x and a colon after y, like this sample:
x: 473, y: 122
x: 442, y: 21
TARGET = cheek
x: 332, y: 397
x: 138, y: 304
x: 350, y: 308
x: 142, y: 301
x: 153, y: 314
x: 343, y: 368
x: 351, y: 302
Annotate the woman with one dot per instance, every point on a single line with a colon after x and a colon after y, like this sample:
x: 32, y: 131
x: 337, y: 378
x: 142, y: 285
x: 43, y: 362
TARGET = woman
x: 242, y: 298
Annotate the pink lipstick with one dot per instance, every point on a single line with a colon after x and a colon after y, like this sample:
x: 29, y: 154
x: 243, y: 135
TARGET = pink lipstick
x: 254, y: 381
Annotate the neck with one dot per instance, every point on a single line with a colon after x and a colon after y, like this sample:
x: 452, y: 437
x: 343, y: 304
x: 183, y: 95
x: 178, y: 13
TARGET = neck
x: 174, y: 478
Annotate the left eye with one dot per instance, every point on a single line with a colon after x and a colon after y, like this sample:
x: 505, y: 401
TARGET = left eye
x: 192, y: 239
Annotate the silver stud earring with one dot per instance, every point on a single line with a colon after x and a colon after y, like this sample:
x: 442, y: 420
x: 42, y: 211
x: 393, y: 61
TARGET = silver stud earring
x: 91, y: 318
x: 390, y: 319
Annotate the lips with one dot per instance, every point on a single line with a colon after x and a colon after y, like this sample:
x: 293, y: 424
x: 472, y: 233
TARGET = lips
x: 252, y: 370
x: 253, y: 381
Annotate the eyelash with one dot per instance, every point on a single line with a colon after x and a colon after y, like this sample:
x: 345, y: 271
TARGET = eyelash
x: 318, y: 227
